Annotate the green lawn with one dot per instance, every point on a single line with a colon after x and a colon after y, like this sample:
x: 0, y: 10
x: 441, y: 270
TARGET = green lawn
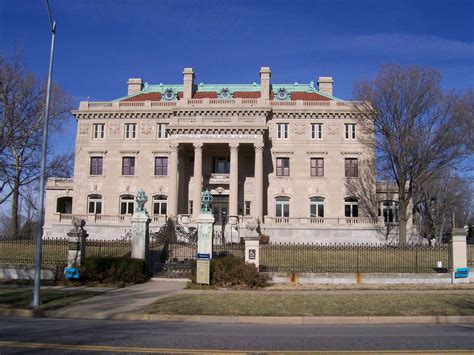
x: 21, y: 297
x: 247, y: 304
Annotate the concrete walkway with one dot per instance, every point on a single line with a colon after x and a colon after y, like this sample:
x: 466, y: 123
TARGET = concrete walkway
x: 132, y: 299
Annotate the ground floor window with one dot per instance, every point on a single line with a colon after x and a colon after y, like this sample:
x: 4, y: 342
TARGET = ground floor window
x: 94, y: 204
x: 282, y: 207
x: 126, y: 204
x: 160, y: 204
x: 64, y: 205
x: 389, y: 210
x: 351, y: 207
x: 316, y: 207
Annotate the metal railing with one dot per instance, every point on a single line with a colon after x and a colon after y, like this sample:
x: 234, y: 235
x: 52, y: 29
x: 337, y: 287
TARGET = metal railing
x: 305, y: 257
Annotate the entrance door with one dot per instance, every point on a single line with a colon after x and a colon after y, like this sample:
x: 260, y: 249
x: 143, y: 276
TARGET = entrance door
x: 220, y: 209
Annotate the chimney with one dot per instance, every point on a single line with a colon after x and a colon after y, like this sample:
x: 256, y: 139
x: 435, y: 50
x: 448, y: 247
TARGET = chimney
x: 188, y: 83
x: 134, y: 85
x: 265, y: 74
x: 325, y: 85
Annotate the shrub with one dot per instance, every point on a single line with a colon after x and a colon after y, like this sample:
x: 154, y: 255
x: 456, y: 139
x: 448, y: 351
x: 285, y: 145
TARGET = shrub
x: 114, y: 270
x: 233, y: 271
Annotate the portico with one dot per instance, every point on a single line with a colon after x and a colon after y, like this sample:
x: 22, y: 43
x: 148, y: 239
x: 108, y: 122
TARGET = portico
x: 215, y: 166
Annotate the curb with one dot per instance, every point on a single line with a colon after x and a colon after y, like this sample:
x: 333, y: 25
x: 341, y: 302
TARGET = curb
x: 298, y: 320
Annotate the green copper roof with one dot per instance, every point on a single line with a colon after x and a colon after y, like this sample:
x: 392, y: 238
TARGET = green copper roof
x: 217, y: 88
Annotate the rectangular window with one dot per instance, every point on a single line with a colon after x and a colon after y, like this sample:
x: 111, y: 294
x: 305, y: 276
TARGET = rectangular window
x: 282, y: 130
x: 283, y: 167
x: 161, y: 131
x: 317, y: 167
x: 130, y: 130
x: 161, y: 166
x: 190, y: 207
x: 316, y: 131
x: 221, y: 165
x: 350, y: 130
x: 99, y: 131
x: 128, y: 166
x: 248, y: 208
x: 96, y: 166
x: 351, y: 167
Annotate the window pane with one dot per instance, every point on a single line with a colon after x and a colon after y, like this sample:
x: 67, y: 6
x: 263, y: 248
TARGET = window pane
x: 98, y: 207
x: 278, y: 210
x: 163, y: 208
x: 91, y: 207
x: 312, y: 210
x: 347, y: 210
x: 355, y: 211
x: 286, y: 210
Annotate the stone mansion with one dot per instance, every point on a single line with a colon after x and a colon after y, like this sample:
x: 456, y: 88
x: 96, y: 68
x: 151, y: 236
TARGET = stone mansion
x: 289, y: 155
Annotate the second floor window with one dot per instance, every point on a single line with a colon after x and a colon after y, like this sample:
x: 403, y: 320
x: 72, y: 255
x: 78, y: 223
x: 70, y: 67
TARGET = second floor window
x: 316, y: 131
x: 221, y: 165
x: 351, y: 207
x: 351, y: 167
x: 282, y: 130
x: 96, y: 165
x: 130, y: 130
x: 94, y: 204
x: 161, y: 166
x: 99, y: 131
x: 283, y: 167
x: 161, y: 132
x: 128, y: 166
x: 317, y: 167
x: 350, y: 130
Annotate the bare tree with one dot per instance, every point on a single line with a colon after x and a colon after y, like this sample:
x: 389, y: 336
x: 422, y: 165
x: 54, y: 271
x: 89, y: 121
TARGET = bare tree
x: 440, y: 203
x: 418, y: 128
x: 23, y: 98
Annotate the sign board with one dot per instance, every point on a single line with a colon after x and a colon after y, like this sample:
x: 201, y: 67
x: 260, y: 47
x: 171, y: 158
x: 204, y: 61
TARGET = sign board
x: 203, y: 271
x: 203, y: 256
x: 461, y: 273
x: 205, y: 238
x: 71, y: 273
x: 252, y: 254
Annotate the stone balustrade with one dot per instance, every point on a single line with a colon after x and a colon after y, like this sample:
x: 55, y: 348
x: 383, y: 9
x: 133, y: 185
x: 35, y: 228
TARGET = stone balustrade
x: 248, y: 103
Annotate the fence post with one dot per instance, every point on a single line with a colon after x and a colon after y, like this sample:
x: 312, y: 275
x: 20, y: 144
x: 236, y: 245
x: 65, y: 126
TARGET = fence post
x: 76, y: 248
x: 252, y: 244
x: 140, y: 231
x: 459, y: 271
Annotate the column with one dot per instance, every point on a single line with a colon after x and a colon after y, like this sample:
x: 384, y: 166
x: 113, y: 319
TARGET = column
x: 173, y: 181
x: 197, y: 180
x: 258, y: 182
x: 234, y: 179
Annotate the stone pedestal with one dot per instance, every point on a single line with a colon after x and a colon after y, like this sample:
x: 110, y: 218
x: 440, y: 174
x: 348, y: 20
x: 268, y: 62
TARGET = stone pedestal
x: 252, y: 244
x: 76, y: 244
x: 458, y: 256
x: 140, y: 227
x: 140, y: 234
x: 204, y: 249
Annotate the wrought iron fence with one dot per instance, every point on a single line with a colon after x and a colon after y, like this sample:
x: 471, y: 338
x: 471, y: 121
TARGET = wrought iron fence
x: 22, y: 251
x: 114, y: 248
x: 470, y: 254
x: 292, y: 257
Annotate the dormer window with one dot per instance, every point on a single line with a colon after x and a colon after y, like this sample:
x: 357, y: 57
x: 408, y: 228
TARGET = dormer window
x: 169, y: 94
x: 282, y: 94
x: 225, y: 94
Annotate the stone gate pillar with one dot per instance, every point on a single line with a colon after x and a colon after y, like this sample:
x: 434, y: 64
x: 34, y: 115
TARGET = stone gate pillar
x: 140, y: 228
x: 459, y: 271
x: 76, y: 248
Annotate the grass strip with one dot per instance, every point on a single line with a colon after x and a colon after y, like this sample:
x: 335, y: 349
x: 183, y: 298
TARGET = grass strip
x: 51, y: 299
x: 444, y: 304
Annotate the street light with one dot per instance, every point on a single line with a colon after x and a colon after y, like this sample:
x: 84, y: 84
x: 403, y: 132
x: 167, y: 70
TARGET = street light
x: 39, y: 229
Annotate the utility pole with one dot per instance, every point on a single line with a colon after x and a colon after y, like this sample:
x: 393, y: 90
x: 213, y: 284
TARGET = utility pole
x: 39, y: 229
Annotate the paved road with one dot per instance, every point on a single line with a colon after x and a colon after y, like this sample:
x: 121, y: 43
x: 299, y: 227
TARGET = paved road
x: 56, y: 336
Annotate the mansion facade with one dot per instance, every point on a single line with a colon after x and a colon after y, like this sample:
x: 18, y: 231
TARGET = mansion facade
x: 289, y: 155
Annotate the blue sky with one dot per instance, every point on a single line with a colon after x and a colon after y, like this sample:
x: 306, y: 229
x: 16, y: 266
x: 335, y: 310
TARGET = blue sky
x: 100, y: 44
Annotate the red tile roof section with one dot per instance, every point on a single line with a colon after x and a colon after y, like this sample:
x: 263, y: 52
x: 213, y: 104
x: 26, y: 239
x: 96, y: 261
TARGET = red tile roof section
x: 247, y: 95
x: 308, y: 96
x: 152, y: 96
x: 205, y: 95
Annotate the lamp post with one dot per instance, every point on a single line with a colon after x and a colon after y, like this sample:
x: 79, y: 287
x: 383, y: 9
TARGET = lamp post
x: 39, y: 229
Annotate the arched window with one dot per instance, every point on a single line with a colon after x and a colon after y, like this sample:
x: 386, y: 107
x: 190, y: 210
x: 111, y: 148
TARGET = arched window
x: 351, y: 207
x: 94, y: 204
x: 126, y: 204
x: 64, y: 205
x: 282, y: 209
x: 316, y: 207
x: 160, y: 204
x: 389, y: 210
